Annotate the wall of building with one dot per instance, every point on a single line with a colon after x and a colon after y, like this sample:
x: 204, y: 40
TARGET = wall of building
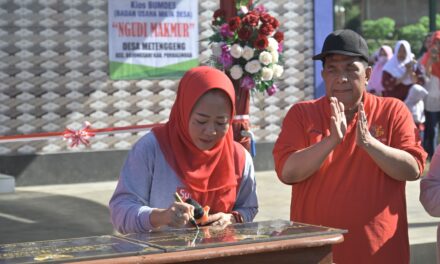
x: 54, y: 72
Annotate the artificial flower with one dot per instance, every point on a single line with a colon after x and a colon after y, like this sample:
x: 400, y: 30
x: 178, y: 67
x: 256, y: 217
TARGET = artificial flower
x: 277, y: 70
x: 271, y: 90
x: 248, y: 47
x: 248, y: 53
x: 265, y: 58
x: 252, y: 67
x: 273, y: 44
x: 236, y: 72
x: 266, y: 74
x: 247, y: 83
x: 275, y: 56
x: 236, y: 51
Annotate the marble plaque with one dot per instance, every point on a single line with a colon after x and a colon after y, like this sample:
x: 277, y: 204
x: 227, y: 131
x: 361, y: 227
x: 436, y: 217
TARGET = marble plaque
x: 191, y: 238
x: 74, y: 249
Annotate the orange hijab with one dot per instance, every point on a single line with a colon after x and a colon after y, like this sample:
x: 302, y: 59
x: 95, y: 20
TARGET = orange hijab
x: 435, y: 67
x: 210, y: 175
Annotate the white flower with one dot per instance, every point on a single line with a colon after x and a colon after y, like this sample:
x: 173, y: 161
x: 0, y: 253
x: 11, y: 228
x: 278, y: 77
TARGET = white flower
x: 275, y: 56
x: 216, y: 49
x: 277, y: 70
x: 266, y: 74
x: 236, y: 51
x: 273, y: 44
x: 248, y: 53
x: 265, y: 58
x: 236, y: 72
x: 244, y: 9
x: 253, y: 66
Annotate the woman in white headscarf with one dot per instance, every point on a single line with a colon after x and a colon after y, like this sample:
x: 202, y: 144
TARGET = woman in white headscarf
x: 384, y: 54
x: 401, y: 72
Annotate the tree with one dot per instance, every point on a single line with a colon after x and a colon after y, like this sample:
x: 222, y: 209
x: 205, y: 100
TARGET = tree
x: 378, y: 32
x: 424, y: 20
x: 382, y: 28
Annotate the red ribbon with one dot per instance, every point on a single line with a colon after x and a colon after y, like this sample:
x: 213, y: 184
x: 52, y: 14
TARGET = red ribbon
x: 76, y: 137
x: 81, y: 136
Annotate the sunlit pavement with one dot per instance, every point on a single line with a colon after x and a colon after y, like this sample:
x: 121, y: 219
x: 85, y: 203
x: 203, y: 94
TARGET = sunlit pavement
x: 49, y: 212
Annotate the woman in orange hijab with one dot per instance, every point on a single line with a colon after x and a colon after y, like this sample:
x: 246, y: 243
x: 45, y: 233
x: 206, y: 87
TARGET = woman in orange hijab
x: 194, y: 155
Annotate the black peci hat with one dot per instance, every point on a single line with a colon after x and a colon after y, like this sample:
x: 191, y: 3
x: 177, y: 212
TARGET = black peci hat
x: 345, y: 42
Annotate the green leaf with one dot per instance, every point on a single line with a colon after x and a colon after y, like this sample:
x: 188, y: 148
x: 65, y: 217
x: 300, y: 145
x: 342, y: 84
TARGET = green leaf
x: 240, y: 3
x: 382, y: 28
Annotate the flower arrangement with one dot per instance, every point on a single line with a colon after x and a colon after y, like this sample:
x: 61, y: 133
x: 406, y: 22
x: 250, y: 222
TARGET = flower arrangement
x: 248, y: 47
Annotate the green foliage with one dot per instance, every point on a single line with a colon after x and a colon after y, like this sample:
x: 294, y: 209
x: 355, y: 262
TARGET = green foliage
x: 378, y: 29
x: 424, y: 20
x: 378, y: 32
x: 383, y: 32
x: 353, y: 12
x: 240, y: 3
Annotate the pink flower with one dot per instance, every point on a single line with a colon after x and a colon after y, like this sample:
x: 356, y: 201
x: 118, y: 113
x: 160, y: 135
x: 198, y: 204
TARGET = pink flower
x: 247, y: 83
x: 225, y: 32
x: 226, y: 58
x: 280, y: 47
x: 271, y: 90
x: 260, y: 9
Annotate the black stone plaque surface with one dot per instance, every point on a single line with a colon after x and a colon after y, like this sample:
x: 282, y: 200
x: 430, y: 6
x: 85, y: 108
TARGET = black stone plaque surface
x: 74, y: 249
x: 190, y: 238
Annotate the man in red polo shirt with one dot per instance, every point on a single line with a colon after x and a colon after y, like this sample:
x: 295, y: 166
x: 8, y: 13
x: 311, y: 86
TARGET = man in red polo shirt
x: 348, y: 155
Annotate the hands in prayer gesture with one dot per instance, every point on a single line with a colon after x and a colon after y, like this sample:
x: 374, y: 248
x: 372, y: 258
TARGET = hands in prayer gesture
x: 338, y: 124
x: 363, y: 136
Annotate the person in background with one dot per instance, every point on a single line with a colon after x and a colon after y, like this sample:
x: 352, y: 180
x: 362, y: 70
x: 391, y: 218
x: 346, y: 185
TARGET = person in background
x: 400, y: 72
x: 348, y: 156
x: 414, y: 101
x: 193, y: 154
x: 430, y: 193
x: 431, y: 62
x: 375, y: 83
x: 425, y: 45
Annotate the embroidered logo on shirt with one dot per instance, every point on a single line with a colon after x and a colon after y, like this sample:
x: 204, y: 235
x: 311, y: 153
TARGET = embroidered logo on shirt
x: 378, y: 132
x: 183, y: 192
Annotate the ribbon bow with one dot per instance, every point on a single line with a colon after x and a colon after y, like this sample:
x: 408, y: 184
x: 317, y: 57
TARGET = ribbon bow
x: 80, y: 136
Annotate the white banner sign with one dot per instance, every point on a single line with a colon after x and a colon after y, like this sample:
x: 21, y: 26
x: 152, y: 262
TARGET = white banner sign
x: 152, y: 39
